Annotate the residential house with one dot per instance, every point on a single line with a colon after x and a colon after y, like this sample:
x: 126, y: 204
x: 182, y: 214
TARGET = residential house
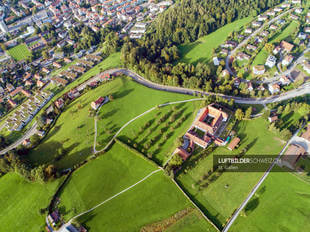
x: 101, y: 100
x: 294, y: 17
x: 298, y: 11
x: 242, y: 56
x: 250, y: 86
x: 251, y: 47
x: 276, y: 50
x: 287, y: 47
x: 256, y: 24
x: 273, y: 27
x: 59, y: 81
x: 271, y: 61
x: 306, y: 67
x: 285, y: 80
x: 292, y: 155
x: 262, y: 18
x: 273, y: 118
x: 234, y: 143
x: 273, y: 88
x: 287, y: 60
x: 306, y: 134
x: 59, y: 103
x: 277, y: 9
x: 40, y: 83
x: 248, y: 31
x: 12, y: 103
x: 307, y: 29
x: 259, y: 69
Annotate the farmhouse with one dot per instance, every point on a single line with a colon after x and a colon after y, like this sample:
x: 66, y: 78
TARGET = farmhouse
x: 210, y: 119
x: 203, y: 141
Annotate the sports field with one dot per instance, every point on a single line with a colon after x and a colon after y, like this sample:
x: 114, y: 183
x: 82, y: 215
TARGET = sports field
x: 154, y: 199
x: 201, y: 50
x: 221, y: 197
x: 19, y: 52
x: 281, y: 204
x: 21, y: 202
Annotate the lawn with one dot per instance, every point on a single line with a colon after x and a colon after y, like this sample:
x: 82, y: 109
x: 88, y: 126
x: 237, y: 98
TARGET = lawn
x: 262, y: 56
x: 21, y: 202
x: 73, y: 133
x: 221, y: 197
x: 178, y: 119
x: 201, y: 50
x: 290, y: 29
x: 152, y: 200
x: 19, y: 52
x: 281, y: 204
x: 129, y: 102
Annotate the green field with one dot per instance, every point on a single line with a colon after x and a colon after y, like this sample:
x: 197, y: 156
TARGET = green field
x: 74, y: 130
x: 285, y: 34
x: 163, y: 134
x: 152, y: 200
x: 218, y: 201
x: 201, y: 50
x: 19, y: 52
x: 191, y: 223
x: 21, y: 202
x: 281, y: 204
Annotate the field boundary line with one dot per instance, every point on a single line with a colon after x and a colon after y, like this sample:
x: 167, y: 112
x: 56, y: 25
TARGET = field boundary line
x: 114, y: 196
x: 204, y: 216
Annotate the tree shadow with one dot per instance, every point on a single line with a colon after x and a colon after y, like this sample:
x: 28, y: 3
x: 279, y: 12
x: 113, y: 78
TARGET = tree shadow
x: 123, y: 93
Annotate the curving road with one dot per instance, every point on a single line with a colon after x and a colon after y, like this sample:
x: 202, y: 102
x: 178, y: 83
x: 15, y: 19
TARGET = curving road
x: 300, y: 91
x: 33, y: 130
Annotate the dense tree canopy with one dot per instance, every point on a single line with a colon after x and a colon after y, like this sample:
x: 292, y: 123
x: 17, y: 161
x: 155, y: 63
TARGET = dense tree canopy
x: 157, y: 54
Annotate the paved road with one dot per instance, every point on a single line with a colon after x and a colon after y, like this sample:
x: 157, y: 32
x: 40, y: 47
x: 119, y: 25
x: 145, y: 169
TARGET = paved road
x: 302, y: 90
x: 33, y: 130
x: 244, y: 42
x: 237, y: 212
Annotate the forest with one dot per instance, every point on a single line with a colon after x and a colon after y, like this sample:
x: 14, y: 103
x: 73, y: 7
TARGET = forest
x: 157, y: 55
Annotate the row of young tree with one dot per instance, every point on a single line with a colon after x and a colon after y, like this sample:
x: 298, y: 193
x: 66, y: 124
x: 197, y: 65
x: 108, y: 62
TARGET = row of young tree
x: 157, y: 55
